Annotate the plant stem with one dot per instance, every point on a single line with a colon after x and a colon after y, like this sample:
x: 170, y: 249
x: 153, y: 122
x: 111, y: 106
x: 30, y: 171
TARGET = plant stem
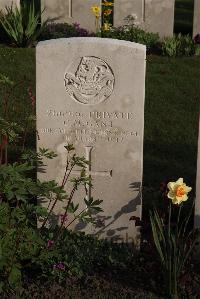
x: 76, y: 217
x: 65, y: 214
x: 169, y: 250
x: 65, y: 178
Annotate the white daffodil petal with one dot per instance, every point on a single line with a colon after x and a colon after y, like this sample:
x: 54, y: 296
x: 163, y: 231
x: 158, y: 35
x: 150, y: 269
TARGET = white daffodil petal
x: 170, y: 194
x: 170, y: 186
x: 187, y: 189
x: 179, y: 181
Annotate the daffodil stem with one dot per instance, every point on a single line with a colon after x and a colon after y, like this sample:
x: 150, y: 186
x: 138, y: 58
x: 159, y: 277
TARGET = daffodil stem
x: 169, y: 248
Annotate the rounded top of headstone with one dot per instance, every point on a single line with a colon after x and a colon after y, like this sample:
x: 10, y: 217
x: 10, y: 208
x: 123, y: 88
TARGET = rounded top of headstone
x: 96, y: 40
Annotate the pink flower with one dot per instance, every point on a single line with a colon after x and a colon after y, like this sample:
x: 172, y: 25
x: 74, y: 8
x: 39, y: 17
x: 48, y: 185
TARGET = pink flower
x: 32, y: 97
x: 59, y: 266
x: 50, y: 244
x: 63, y: 218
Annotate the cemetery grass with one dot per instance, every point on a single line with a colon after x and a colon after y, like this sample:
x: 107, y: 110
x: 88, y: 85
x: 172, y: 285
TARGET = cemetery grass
x: 170, y: 150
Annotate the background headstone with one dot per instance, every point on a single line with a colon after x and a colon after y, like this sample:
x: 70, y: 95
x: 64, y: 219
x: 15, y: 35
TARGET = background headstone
x: 70, y: 11
x: 197, y: 201
x: 4, y: 3
x: 152, y: 15
x: 196, y: 22
x: 123, y: 8
x: 90, y: 92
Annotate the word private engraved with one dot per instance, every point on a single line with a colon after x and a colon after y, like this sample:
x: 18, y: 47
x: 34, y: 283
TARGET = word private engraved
x: 92, y: 83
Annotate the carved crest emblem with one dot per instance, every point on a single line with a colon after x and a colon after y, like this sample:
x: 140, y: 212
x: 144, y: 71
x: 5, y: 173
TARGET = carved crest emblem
x: 92, y: 83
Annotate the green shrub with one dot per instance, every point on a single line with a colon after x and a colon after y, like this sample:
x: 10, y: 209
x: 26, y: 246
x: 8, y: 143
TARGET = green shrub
x: 133, y: 34
x: 21, y: 25
x: 62, y: 30
x: 169, y: 46
x: 180, y: 45
x: 23, y: 245
x: 78, y: 254
x: 197, y: 49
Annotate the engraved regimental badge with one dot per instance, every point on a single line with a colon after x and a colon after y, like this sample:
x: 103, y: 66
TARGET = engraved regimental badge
x: 92, y: 82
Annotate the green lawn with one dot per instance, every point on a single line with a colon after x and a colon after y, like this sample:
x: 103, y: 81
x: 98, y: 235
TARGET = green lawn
x: 171, y: 111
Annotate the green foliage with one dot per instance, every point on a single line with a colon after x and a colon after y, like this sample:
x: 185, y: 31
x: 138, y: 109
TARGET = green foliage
x: 197, y: 49
x: 180, y: 45
x: 22, y: 243
x: 169, y: 46
x: 9, y: 129
x: 174, y: 242
x: 22, y: 25
x: 133, y: 34
x: 6, y: 80
x: 62, y: 30
x: 80, y: 254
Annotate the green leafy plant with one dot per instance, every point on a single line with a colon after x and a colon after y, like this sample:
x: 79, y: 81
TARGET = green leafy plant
x: 19, y: 237
x: 12, y: 134
x: 169, y: 46
x: 134, y: 34
x: 197, y: 49
x: 173, y: 239
x: 62, y: 30
x: 187, y: 45
x: 23, y: 245
x: 180, y: 45
x: 22, y: 25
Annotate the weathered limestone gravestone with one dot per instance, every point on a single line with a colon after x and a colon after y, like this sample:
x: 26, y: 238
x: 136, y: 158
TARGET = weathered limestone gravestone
x: 90, y: 92
x: 197, y: 201
x: 152, y: 15
x: 70, y: 11
x: 196, y: 21
x: 4, y: 3
x: 123, y: 8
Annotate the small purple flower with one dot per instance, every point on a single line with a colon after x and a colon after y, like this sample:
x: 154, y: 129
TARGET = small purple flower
x: 197, y: 38
x: 50, y: 244
x: 63, y: 218
x: 59, y: 266
x: 76, y: 25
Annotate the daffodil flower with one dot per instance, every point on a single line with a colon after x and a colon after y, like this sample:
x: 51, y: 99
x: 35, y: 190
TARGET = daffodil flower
x: 96, y: 10
x: 178, y: 191
x: 107, y: 12
x: 106, y: 26
x: 106, y: 3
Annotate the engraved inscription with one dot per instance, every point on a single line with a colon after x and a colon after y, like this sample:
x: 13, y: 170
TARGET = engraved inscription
x: 90, y: 127
x: 92, y: 83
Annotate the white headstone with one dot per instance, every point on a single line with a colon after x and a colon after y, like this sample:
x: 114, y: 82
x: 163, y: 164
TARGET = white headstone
x: 70, y: 11
x: 124, y: 8
x: 90, y: 92
x: 196, y: 21
x: 4, y: 3
x: 152, y: 15
x: 197, y: 201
